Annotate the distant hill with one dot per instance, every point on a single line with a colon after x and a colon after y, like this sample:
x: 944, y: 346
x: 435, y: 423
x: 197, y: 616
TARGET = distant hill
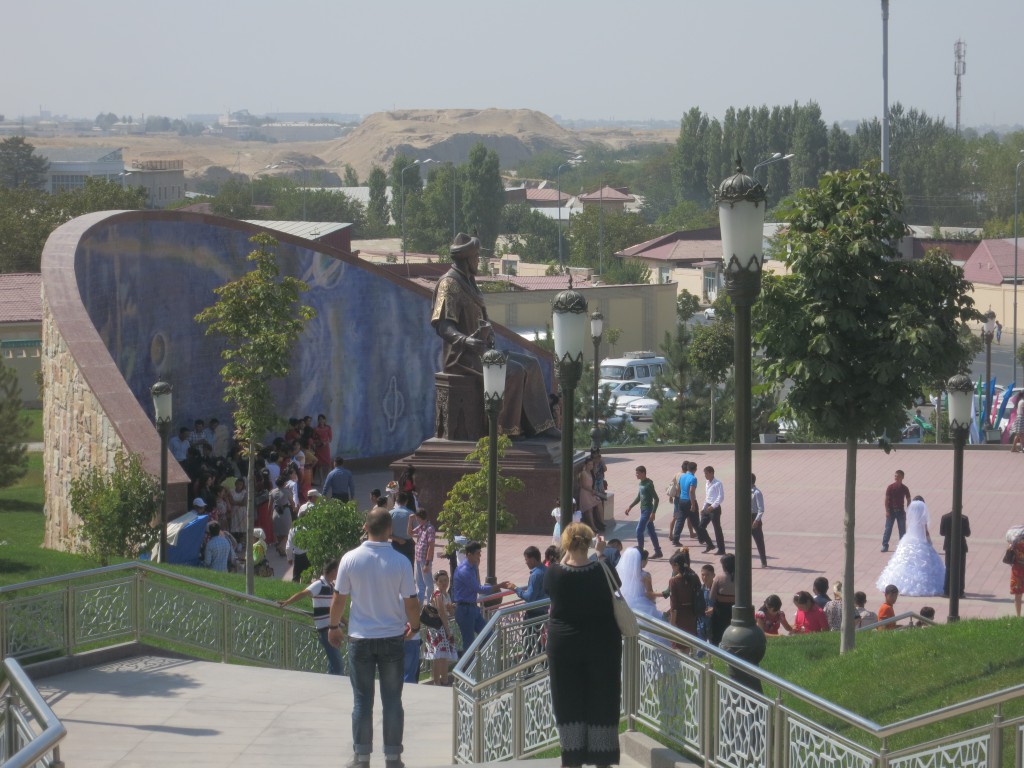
x: 447, y: 135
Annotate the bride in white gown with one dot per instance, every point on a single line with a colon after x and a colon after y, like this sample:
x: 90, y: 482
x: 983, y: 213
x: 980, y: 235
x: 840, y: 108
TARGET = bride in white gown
x: 915, y: 567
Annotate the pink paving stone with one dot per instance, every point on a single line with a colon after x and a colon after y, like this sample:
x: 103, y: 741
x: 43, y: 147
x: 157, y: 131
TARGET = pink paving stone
x: 804, y: 490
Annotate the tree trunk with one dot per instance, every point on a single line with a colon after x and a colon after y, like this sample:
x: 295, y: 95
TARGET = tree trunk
x: 250, y: 520
x: 849, y: 628
x: 712, y: 440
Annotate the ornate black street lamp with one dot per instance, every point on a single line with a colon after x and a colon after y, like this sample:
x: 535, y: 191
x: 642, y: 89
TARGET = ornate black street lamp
x: 960, y: 391
x: 494, y: 390
x: 596, y: 331
x: 162, y: 407
x: 741, y: 205
x: 569, y: 321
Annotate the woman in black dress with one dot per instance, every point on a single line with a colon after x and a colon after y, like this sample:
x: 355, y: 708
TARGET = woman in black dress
x: 723, y: 595
x: 584, y: 654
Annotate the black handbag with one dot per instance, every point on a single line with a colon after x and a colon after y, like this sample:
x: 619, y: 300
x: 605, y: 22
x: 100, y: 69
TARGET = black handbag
x: 429, y: 617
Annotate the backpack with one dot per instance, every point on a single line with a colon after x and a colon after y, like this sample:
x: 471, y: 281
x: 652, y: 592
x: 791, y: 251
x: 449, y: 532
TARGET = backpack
x: 673, y: 488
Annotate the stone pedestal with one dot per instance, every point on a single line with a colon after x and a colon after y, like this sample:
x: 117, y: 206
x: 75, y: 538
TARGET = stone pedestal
x: 440, y: 463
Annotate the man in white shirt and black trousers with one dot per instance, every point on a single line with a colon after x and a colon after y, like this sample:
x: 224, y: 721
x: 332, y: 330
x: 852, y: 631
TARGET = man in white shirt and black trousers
x: 714, y: 495
x: 376, y: 582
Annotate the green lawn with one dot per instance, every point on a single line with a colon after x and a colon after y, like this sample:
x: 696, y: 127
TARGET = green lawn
x: 35, y: 424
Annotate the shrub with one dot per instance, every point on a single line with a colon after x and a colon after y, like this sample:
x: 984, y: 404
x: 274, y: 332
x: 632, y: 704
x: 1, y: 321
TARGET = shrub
x: 117, y: 509
x: 327, y: 530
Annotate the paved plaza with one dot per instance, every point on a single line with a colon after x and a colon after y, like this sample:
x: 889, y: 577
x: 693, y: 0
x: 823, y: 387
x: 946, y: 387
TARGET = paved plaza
x: 152, y: 711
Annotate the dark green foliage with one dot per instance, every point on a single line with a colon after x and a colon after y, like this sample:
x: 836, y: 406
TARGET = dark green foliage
x: 596, y: 237
x: 20, y: 166
x: 117, y: 508
x: 531, y: 235
x: 13, y: 460
x: 465, y: 510
x: 378, y: 212
x: 483, y: 195
x: 328, y: 530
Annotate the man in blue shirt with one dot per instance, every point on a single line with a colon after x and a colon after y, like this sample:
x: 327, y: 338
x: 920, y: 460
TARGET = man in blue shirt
x: 466, y: 588
x: 339, y: 484
x: 686, y: 504
x: 401, y: 526
x: 534, y: 589
x: 217, y: 554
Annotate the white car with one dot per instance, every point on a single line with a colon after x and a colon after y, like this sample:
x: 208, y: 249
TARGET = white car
x: 709, y: 313
x: 643, y: 408
x: 624, y: 397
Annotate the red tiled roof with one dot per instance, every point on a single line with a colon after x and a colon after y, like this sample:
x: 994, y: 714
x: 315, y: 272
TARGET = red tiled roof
x: 692, y: 245
x: 991, y: 263
x: 20, y: 297
x: 607, y: 195
x: 546, y: 195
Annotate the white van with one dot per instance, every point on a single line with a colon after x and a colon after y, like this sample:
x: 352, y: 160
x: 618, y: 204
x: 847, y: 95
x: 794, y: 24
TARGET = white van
x: 635, y: 366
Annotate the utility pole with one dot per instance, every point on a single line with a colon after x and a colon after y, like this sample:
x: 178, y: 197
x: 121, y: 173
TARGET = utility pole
x: 959, y: 69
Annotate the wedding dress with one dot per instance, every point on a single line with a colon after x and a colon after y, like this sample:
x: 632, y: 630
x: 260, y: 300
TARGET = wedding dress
x: 915, y: 567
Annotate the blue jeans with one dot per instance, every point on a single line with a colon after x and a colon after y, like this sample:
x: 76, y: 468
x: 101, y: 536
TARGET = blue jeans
x: 424, y: 580
x: 334, y: 660
x: 900, y: 518
x: 411, y: 665
x: 645, y: 524
x: 383, y: 657
x: 470, y: 620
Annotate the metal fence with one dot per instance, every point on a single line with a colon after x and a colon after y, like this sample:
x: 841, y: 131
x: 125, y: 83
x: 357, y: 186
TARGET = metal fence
x: 502, y: 709
x: 67, y: 614
x: 30, y: 733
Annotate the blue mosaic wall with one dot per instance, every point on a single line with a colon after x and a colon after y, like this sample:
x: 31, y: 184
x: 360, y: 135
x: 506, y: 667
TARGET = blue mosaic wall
x: 367, y: 360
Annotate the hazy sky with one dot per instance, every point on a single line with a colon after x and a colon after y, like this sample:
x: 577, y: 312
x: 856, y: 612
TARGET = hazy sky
x: 574, y: 58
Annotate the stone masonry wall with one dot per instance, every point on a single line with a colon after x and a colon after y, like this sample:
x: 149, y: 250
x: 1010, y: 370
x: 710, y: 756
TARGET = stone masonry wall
x: 77, y: 434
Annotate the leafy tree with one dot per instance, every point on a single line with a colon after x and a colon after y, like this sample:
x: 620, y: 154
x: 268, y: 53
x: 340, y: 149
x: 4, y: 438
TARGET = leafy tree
x: 351, y: 177
x: 686, y: 215
x: 13, y: 461
x: 406, y: 191
x: 464, y: 512
x: 627, y: 272
x: 687, y: 305
x: 235, y: 200
x: 96, y: 195
x: 672, y: 421
x: 106, y: 120
x: 117, y: 508
x: 328, y: 530
x: 292, y: 203
x: 611, y: 338
x: 531, y: 235
x: 378, y: 213
x: 855, y: 332
x: 483, y: 195
x: 260, y: 319
x: 431, y: 230
x: 710, y: 354
x: 593, y: 233
x: 20, y: 166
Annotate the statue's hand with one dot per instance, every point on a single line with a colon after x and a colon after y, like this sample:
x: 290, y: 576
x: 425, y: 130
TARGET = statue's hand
x: 476, y: 346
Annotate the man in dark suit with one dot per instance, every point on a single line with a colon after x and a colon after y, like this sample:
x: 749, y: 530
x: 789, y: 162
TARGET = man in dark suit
x: 946, y: 532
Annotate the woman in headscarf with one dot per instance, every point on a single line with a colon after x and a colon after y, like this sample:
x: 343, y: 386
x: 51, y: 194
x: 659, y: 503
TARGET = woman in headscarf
x: 915, y: 567
x: 636, y: 584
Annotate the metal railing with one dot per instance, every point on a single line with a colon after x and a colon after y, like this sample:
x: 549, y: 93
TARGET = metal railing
x: 502, y: 709
x: 67, y: 614
x: 30, y: 733
x: 132, y: 602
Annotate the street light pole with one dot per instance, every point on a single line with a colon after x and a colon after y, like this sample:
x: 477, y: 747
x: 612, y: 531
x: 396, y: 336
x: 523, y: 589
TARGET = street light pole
x: 988, y: 332
x: 162, y: 408
x: 960, y: 390
x: 885, y: 86
x: 1016, y: 209
x: 778, y: 157
x: 741, y: 207
x: 569, y: 320
x: 494, y: 390
x: 596, y: 331
x: 571, y: 162
x: 401, y: 178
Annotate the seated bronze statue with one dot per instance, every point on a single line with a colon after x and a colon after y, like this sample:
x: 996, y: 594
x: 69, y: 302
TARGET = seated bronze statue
x: 460, y: 319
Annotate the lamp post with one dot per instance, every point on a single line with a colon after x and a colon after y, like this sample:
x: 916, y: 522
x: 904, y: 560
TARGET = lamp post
x: 960, y: 391
x: 596, y: 331
x: 569, y: 320
x: 988, y: 332
x: 777, y: 157
x: 494, y: 390
x: 741, y: 206
x: 558, y: 183
x: 162, y: 407
x: 1016, y: 209
x: 401, y: 178
x: 885, y: 86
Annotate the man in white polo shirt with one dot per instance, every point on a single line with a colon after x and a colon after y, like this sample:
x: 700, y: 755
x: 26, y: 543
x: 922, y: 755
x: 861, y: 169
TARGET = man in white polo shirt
x: 376, y: 582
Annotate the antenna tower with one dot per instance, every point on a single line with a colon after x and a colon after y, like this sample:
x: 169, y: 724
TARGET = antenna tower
x: 959, y: 69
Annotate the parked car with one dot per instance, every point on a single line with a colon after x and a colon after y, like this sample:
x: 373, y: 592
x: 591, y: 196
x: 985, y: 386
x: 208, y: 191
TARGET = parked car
x: 643, y: 408
x: 619, y: 402
x: 709, y: 313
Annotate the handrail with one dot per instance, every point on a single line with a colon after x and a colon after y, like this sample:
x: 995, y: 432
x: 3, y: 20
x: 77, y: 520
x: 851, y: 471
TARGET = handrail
x: 900, y: 617
x: 49, y: 738
x: 661, y: 632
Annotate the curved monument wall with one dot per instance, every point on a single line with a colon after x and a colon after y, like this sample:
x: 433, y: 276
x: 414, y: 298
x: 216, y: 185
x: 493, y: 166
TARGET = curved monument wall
x: 120, y: 293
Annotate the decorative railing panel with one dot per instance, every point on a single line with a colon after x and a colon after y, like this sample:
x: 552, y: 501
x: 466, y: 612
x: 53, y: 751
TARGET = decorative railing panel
x: 673, y: 684
x: 183, y: 617
x: 104, y: 611
x: 36, y: 625
x: 255, y: 636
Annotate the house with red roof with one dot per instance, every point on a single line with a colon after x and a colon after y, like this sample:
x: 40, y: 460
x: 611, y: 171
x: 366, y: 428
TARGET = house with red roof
x: 992, y: 263
x: 611, y: 199
x: 21, y: 325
